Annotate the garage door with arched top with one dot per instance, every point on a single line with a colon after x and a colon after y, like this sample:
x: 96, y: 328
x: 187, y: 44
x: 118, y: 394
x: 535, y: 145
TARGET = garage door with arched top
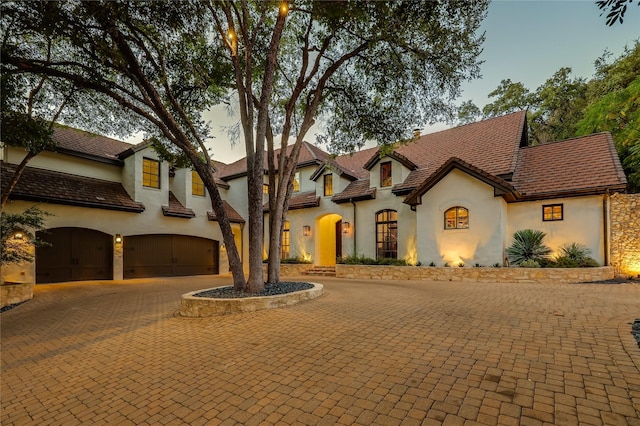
x: 74, y: 254
x: 169, y: 256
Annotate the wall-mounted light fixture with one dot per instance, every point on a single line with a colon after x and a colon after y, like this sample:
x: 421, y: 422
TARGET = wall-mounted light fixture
x: 18, y: 235
x: 306, y: 230
x: 346, y: 227
x: 118, y: 239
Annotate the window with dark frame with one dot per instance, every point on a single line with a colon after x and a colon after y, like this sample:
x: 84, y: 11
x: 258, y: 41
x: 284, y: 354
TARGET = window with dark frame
x: 286, y: 241
x: 296, y: 182
x: 456, y: 218
x: 385, y: 174
x: 197, y: 185
x: 265, y: 188
x: 328, y: 185
x: 150, y: 173
x: 552, y: 212
x: 387, y: 234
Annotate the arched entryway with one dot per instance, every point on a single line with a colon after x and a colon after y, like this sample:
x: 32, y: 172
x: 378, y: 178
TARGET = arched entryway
x: 74, y: 254
x: 328, y: 241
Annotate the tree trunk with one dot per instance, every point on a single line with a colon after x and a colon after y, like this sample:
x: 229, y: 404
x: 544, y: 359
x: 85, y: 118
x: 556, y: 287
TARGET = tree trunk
x: 15, y: 178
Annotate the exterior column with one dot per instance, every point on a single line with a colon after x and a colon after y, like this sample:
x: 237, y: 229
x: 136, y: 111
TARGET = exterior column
x: 118, y: 257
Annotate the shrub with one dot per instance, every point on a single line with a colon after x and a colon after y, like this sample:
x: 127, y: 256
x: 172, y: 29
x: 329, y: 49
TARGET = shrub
x: 575, y: 251
x: 432, y: 264
x: 294, y: 260
x: 361, y: 260
x: 527, y: 245
x: 16, y: 250
x: 529, y: 264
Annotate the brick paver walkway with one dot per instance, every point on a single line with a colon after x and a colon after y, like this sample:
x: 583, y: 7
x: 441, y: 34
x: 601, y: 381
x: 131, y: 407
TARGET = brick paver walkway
x: 365, y: 353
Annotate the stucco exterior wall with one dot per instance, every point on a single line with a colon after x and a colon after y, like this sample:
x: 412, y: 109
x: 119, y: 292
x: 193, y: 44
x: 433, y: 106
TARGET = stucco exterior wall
x: 583, y: 223
x: 481, y: 243
x: 67, y: 164
x: 625, y: 233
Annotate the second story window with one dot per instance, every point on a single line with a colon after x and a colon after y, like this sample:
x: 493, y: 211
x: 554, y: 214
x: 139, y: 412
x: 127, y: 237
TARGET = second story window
x: 385, y: 174
x: 197, y: 186
x: 265, y: 188
x: 150, y: 173
x: 296, y: 182
x: 328, y: 185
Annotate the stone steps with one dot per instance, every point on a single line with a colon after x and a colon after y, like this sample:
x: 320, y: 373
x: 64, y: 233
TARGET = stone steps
x: 324, y: 271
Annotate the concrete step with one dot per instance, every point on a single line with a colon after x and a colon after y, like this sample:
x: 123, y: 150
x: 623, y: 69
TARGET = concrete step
x: 325, y: 271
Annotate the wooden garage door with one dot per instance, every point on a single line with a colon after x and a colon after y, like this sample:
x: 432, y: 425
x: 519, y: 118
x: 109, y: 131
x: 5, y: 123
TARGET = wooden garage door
x: 74, y: 254
x: 169, y: 255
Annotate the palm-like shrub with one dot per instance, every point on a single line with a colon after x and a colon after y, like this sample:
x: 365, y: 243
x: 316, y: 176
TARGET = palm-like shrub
x: 527, y: 245
x: 575, y: 251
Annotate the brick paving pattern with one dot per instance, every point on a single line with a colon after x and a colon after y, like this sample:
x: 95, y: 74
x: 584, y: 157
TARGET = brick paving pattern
x: 387, y: 353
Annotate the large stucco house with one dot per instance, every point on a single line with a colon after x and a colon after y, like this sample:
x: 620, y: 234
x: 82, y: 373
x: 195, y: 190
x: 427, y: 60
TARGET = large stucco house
x: 451, y: 197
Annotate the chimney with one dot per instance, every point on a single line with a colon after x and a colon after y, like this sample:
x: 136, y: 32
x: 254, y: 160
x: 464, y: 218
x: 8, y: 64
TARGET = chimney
x: 416, y: 133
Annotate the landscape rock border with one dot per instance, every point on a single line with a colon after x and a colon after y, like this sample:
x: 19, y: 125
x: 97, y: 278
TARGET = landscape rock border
x: 192, y: 306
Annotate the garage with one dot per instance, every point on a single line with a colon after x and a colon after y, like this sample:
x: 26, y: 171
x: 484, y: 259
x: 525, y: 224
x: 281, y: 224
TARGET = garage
x: 169, y: 256
x: 74, y: 254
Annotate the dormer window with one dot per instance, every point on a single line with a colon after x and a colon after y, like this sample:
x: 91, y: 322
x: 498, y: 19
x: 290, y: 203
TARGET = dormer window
x: 150, y: 173
x: 296, y: 182
x: 197, y: 185
x: 385, y: 174
x: 328, y: 185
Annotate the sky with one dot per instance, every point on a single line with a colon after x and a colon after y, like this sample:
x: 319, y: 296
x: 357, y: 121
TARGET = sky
x: 525, y: 41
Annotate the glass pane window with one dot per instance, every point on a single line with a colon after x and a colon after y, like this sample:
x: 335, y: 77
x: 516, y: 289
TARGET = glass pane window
x: 296, y: 182
x: 456, y: 218
x: 285, y: 249
x: 385, y: 174
x: 552, y: 212
x: 387, y: 234
x: 265, y: 188
x: 197, y: 185
x: 328, y: 185
x: 150, y: 173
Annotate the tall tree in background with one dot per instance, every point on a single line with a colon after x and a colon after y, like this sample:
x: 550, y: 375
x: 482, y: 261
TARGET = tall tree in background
x: 615, y: 9
x: 373, y: 70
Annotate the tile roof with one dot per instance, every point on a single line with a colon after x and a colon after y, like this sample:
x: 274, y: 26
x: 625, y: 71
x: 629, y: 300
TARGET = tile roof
x: 176, y: 209
x: 357, y: 190
x: 309, y: 154
x: 578, y: 165
x: 85, y: 144
x: 354, y: 163
x: 62, y: 188
x: 299, y: 200
x: 501, y: 186
x: 234, y: 216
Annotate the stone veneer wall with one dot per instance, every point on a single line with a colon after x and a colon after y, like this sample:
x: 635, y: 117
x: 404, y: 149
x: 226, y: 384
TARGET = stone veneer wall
x: 625, y: 234
x: 494, y: 275
x: 289, y: 269
x: 15, y: 293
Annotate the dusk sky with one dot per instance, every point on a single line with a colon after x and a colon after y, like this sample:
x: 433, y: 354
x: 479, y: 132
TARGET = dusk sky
x: 526, y: 41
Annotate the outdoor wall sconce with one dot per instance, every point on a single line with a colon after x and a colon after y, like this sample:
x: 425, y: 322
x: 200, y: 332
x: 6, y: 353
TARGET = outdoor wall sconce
x: 18, y: 236
x: 346, y: 227
x: 306, y: 230
x: 118, y: 239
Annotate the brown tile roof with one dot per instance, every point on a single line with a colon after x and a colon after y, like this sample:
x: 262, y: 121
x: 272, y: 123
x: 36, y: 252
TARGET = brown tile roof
x: 501, y: 186
x: 234, y: 216
x: 587, y: 164
x: 354, y: 163
x: 299, y: 200
x: 88, y: 145
x: 309, y: 154
x: 357, y: 190
x: 62, y: 188
x: 176, y: 209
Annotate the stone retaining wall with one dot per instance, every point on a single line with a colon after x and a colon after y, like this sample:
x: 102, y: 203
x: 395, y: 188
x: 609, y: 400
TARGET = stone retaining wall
x: 495, y: 275
x: 290, y: 269
x: 625, y: 234
x: 15, y: 293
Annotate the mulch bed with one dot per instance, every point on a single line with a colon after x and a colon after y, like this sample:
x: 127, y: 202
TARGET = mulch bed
x: 269, y: 290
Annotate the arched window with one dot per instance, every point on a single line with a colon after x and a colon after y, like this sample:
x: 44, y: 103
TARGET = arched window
x: 387, y: 234
x: 456, y: 218
x: 285, y: 249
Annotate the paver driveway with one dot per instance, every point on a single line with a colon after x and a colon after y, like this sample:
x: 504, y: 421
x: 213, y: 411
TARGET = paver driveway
x: 365, y: 353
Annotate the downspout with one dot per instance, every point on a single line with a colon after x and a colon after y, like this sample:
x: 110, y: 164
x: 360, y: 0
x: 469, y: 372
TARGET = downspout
x: 607, y: 225
x: 354, y: 228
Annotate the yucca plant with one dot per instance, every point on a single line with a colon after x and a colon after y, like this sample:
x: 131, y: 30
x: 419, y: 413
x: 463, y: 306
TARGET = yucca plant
x: 527, y: 245
x: 575, y: 251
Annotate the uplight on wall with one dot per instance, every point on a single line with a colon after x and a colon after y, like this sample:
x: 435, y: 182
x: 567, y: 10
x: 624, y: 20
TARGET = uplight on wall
x: 346, y: 228
x: 306, y: 230
x: 118, y: 239
x: 18, y: 236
